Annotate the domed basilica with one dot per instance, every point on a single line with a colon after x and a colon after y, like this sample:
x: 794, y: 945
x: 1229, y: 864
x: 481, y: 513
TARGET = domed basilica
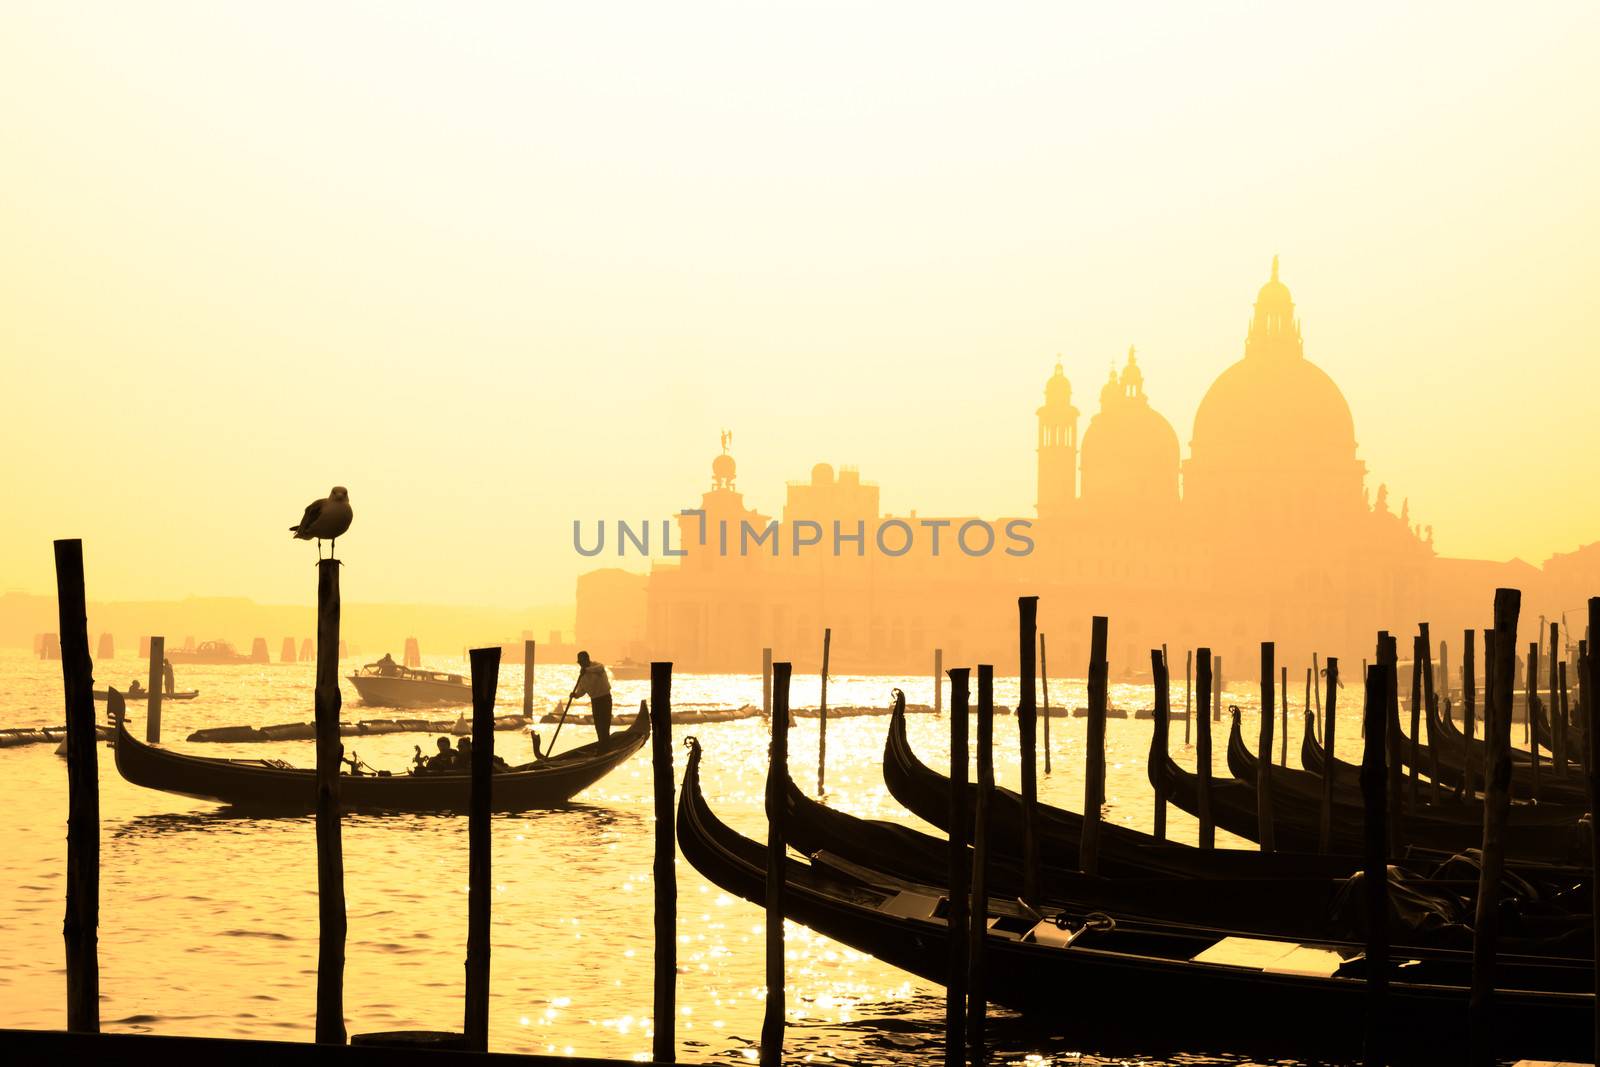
x: 1265, y: 532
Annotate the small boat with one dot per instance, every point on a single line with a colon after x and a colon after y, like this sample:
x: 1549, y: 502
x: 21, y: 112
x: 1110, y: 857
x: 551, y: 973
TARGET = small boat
x: 144, y: 694
x: 1307, y: 999
x: 273, y: 785
x: 406, y: 687
x: 629, y: 670
x: 213, y: 653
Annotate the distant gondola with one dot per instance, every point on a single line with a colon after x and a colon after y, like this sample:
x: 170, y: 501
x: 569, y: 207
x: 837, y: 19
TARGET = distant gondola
x: 144, y: 694
x: 272, y: 785
x: 1306, y: 999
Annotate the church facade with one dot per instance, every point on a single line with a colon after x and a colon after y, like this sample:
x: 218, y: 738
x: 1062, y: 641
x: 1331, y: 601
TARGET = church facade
x: 1267, y: 531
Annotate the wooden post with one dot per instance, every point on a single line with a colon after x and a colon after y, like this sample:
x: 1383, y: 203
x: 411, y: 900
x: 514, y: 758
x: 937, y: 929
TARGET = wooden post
x: 978, y: 914
x: 1202, y: 749
x: 1496, y: 806
x: 766, y: 681
x: 955, y: 1000
x: 152, y: 716
x: 1565, y: 722
x: 664, y: 873
x: 822, y: 715
x: 1094, y: 757
x: 1310, y: 674
x: 1283, y: 722
x: 1330, y: 719
x: 485, y: 664
x: 1158, y: 741
x: 1216, y: 689
x: 527, y: 679
x: 777, y: 776
x: 938, y: 681
x: 1044, y: 687
x: 1443, y: 682
x: 1469, y: 712
x: 1588, y: 689
x: 1430, y: 700
x: 1375, y: 864
x: 1188, y: 689
x: 1264, y: 820
x: 1558, y: 721
x: 1316, y: 688
x: 1415, y: 742
x: 1530, y: 688
x: 330, y: 847
x: 1027, y: 721
x: 1388, y: 656
x: 81, y: 929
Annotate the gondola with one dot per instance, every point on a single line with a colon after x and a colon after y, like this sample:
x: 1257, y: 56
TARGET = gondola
x: 1123, y: 851
x: 144, y: 694
x: 1301, y: 788
x: 1451, y: 776
x: 1545, y: 919
x: 1457, y: 751
x: 1096, y: 975
x: 272, y: 785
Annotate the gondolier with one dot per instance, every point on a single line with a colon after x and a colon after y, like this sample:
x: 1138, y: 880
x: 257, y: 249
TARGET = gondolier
x: 593, y: 683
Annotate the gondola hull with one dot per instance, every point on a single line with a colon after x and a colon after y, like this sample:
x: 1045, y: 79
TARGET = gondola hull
x: 259, y: 785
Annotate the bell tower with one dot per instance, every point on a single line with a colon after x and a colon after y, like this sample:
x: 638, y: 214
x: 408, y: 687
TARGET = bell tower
x: 1058, y: 448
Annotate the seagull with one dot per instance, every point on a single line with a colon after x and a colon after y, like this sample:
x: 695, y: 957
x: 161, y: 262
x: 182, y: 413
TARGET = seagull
x: 325, y: 518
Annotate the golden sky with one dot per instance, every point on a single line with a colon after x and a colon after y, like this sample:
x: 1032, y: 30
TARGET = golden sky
x: 498, y: 266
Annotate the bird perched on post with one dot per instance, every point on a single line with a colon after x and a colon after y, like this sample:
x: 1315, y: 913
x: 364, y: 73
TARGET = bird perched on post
x: 325, y: 518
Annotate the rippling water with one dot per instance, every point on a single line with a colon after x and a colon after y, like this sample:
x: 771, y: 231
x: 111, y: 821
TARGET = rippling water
x: 209, y: 922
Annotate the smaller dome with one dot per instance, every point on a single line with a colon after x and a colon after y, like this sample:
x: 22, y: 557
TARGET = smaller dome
x: 822, y: 474
x: 723, y: 468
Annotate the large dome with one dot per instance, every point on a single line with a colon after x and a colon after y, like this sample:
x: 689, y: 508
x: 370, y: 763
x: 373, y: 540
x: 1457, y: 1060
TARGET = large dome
x: 1273, y: 411
x: 1273, y: 428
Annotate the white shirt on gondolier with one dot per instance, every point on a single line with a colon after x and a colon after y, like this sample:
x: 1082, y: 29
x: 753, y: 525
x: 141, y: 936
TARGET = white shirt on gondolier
x: 592, y: 681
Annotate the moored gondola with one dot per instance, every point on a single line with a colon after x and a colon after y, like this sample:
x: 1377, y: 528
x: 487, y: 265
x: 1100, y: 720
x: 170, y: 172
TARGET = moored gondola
x: 271, y: 785
x: 1307, y: 998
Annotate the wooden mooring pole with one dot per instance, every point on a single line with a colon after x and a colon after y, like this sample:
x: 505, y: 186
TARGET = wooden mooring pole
x: 1414, y: 743
x: 766, y: 681
x: 152, y: 713
x: 1388, y: 661
x: 1283, y: 720
x: 938, y: 681
x: 1496, y: 807
x: 777, y: 777
x: 1469, y: 712
x: 664, y: 874
x: 1044, y: 690
x: 485, y: 664
x: 1330, y: 719
x: 1158, y: 740
x: 1216, y: 689
x: 1188, y: 691
x: 1202, y: 749
x: 1264, y: 820
x: 1094, y: 756
x: 1530, y: 689
x: 822, y: 716
x: 1588, y: 690
x: 528, y: 651
x: 1375, y: 864
x: 955, y: 1001
x: 331, y: 923
x: 81, y: 928
x: 978, y: 913
x: 1027, y: 722
x: 1558, y: 720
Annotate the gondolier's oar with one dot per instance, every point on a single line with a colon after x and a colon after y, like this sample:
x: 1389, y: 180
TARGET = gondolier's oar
x: 563, y: 718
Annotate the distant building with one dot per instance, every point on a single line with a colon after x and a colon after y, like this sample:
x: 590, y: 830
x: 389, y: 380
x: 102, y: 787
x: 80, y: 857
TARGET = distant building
x: 1265, y: 532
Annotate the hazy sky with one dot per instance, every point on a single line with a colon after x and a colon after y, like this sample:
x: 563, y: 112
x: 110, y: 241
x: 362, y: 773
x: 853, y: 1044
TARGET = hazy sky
x: 494, y: 267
